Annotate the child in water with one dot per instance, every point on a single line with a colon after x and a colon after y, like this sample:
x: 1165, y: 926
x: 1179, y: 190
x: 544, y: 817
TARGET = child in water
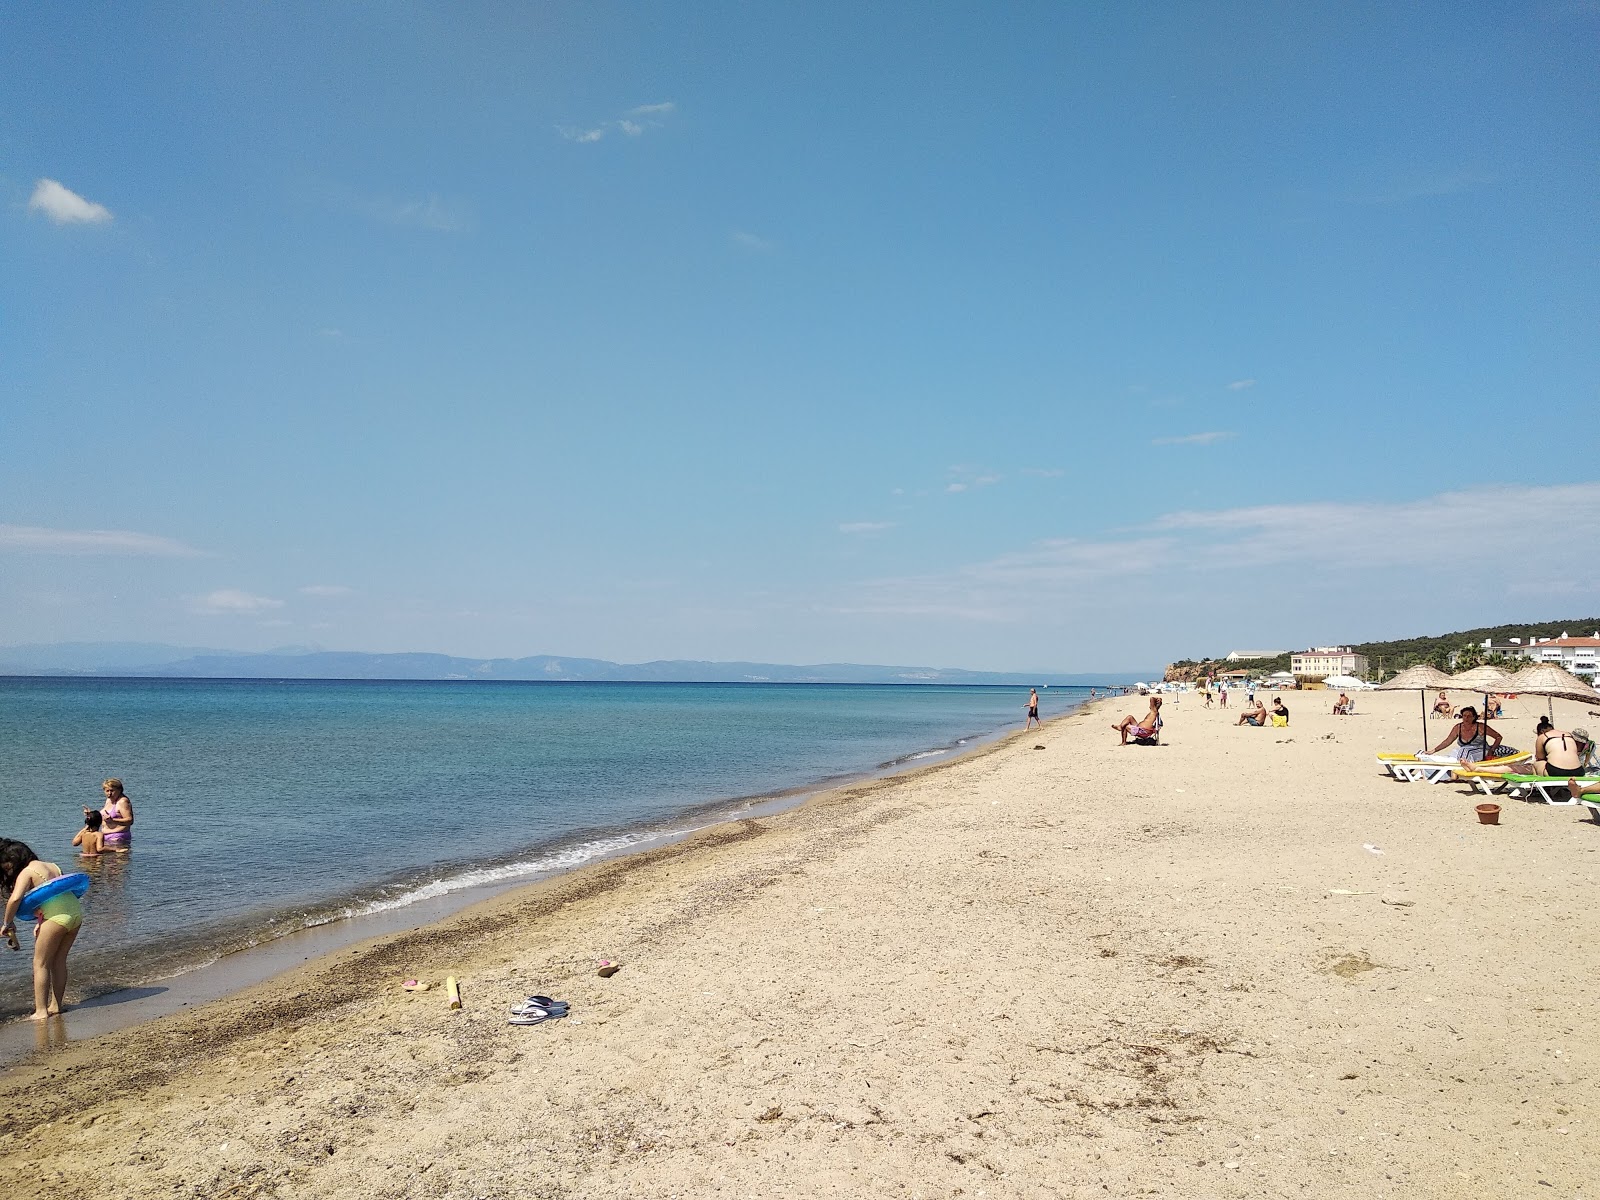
x: 59, y: 920
x: 89, y: 837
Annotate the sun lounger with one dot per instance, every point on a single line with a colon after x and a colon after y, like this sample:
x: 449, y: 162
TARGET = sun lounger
x: 1431, y: 768
x: 1552, y: 789
x: 1412, y: 768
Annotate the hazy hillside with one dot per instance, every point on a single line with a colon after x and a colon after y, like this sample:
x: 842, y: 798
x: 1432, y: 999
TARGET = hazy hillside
x: 144, y: 661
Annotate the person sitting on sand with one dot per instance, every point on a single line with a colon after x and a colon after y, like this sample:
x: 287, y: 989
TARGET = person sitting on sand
x: 1476, y: 739
x: 1341, y: 706
x: 1492, y: 709
x: 89, y: 837
x: 1443, y: 707
x: 59, y: 919
x: 1561, y: 752
x: 1280, y: 712
x: 1253, y: 716
x: 1148, y: 730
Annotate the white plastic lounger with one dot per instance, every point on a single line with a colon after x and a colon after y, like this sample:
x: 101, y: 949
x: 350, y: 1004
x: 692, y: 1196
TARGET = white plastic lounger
x: 1552, y: 789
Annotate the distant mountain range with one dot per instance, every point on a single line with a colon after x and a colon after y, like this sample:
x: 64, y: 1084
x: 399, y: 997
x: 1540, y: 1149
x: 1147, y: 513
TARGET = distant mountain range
x: 154, y: 660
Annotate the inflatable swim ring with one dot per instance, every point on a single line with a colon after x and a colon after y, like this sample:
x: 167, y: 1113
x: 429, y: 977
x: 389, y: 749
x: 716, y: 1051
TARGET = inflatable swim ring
x: 77, y: 883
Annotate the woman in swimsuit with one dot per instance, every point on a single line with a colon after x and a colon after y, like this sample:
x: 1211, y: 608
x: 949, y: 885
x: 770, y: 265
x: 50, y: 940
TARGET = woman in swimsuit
x: 59, y: 919
x: 1476, y: 739
x: 1557, y: 752
x: 116, y: 817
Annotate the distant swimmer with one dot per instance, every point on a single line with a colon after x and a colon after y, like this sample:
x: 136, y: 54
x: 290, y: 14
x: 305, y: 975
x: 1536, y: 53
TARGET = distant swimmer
x: 1033, y: 711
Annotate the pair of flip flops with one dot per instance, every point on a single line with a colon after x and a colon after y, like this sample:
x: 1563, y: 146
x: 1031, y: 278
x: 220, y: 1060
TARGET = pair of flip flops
x: 537, y: 1009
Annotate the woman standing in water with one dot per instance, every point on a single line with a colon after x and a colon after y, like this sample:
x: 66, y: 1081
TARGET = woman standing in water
x: 116, y: 818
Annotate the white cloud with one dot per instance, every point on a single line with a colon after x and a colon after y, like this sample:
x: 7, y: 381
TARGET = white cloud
x: 633, y: 123
x: 749, y: 241
x: 1301, y: 546
x: 64, y: 206
x: 1192, y: 439
x: 865, y: 526
x: 32, y: 538
x: 232, y: 602
x: 1044, y: 472
x: 1239, y: 385
x: 955, y: 487
x: 327, y: 590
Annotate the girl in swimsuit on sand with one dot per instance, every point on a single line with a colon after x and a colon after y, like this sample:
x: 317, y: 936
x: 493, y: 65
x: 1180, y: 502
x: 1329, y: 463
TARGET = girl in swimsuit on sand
x: 58, y: 921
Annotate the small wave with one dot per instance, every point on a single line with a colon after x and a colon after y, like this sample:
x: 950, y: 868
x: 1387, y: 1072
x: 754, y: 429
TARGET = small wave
x: 566, y: 859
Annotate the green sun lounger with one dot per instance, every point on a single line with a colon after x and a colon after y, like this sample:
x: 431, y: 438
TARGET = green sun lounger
x: 1552, y: 789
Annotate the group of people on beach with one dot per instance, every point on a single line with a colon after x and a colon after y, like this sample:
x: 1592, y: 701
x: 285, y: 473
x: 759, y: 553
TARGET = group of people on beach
x: 58, y: 919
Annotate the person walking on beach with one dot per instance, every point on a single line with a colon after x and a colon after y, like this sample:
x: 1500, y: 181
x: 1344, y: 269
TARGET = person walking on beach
x: 116, y: 817
x: 1033, y: 711
x: 1222, y: 695
x: 58, y: 921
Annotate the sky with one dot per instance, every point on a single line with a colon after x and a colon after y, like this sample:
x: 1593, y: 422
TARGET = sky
x: 1076, y: 337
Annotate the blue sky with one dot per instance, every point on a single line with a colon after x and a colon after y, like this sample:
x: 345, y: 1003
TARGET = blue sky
x: 1075, y: 337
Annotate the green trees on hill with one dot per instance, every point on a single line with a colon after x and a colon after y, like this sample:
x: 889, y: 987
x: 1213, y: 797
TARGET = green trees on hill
x: 1385, y: 659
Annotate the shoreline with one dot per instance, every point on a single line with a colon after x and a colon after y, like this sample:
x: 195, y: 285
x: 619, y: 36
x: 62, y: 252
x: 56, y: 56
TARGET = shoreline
x: 259, y: 963
x: 1242, y: 963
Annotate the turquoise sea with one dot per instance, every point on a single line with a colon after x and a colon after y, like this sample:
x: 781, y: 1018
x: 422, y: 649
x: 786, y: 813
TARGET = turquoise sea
x: 265, y: 806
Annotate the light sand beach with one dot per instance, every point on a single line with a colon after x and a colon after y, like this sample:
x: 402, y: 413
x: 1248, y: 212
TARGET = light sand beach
x: 1081, y: 970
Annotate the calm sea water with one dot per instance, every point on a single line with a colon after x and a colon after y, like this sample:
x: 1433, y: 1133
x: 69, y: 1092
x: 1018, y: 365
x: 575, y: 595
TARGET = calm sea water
x: 264, y: 806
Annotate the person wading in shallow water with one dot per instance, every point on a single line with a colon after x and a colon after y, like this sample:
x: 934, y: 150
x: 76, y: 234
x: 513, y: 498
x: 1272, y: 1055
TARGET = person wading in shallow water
x: 1033, y: 711
x: 116, y: 818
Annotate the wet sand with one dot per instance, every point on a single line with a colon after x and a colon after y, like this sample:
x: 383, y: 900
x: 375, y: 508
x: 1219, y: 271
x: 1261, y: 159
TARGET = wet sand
x: 1082, y: 970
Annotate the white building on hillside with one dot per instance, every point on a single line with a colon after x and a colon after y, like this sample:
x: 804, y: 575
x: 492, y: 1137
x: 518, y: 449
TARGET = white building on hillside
x: 1321, y: 661
x: 1580, y: 655
x: 1242, y: 655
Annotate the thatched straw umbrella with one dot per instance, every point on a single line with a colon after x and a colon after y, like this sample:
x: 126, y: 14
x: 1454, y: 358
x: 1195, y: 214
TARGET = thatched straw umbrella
x: 1483, y: 679
x: 1548, y: 680
x: 1422, y: 678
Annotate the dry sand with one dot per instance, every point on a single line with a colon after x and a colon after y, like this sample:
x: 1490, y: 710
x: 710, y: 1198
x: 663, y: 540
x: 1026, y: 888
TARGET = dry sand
x: 1085, y: 970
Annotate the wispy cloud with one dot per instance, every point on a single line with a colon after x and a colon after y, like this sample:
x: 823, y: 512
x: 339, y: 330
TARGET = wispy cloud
x: 966, y: 479
x: 1192, y: 439
x: 1044, y: 472
x: 232, y: 602
x: 636, y: 122
x: 1422, y: 186
x: 432, y: 213
x: 1239, y: 385
x: 36, y: 540
x: 1330, y: 537
x: 327, y: 591
x: 429, y: 212
x: 865, y: 526
x: 751, y: 242
x: 64, y: 206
